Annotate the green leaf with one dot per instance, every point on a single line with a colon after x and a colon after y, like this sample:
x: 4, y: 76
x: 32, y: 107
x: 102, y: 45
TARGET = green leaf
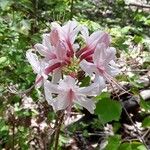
x: 108, y: 110
x: 4, y: 4
x: 138, y: 39
x: 103, y: 95
x: 125, y: 146
x: 137, y: 146
x: 85, y: 81
x: 3, y: 62
x: 146, y: 122
x: 132, y: 146
x: 113, y: 143
x: 145, y: 105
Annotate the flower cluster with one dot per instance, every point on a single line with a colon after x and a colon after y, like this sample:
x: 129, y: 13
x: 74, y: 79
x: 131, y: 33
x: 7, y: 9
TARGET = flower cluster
x: 59, y: 60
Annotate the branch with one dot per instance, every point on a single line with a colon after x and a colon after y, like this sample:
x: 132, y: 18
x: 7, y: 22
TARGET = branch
x: 58, y: 130
x: 139, y: 5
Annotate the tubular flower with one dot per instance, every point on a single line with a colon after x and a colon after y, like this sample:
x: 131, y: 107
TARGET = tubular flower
x: 91, y: 42
x: 103, y: 63
x: 66, y: 33
x: 56, y: 49
x: 69, y: 93
x: 59, y: 65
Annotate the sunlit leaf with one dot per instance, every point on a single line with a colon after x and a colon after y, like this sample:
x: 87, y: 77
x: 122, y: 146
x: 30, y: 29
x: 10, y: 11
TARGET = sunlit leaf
x: 113, y: 143
x: 108, y: 110
x: 146, y: 122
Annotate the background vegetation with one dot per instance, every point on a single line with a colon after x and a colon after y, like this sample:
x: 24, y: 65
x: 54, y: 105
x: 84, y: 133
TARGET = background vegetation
x: 25, y: 119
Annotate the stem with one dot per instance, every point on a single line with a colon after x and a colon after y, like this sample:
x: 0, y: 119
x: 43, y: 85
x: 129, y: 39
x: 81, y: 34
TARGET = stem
x: 71, y: 9
x: 57, y: 133
x: 13, y: 137
x: 50, y: 144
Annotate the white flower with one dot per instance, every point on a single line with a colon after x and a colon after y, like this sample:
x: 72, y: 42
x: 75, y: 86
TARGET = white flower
x: 103, y: 63
x: 68, y: 93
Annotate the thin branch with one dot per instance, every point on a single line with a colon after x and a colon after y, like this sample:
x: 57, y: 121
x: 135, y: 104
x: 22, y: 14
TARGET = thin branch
x: 71, y: 9
x: 21, y: 93
x: 142, y: 70
x: 50, y: 144
x: 58, y: 131
x: 139, y: 5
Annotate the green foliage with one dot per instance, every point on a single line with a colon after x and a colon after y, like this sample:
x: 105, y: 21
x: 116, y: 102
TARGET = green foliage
x: 106, y: 106
x: 132, y: 146
x: 146, y: 122
x: 113, y: 143
x: 145, y: 105
x: 21, y: 25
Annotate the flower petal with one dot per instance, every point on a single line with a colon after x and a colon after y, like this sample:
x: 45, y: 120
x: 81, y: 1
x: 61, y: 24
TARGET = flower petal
x: 57, y: 75
x: 94, y: 38
x: 111, y: 54
x: 105, y: 38
x: 33, y: 60
x: 46, y: 41
x: 60, y: 102
x: 93, y: 89
x: 52, y: 88
x: 86, y: 103
x: 99, y: 55
x: 61, y: 51
x: 47, y: 92
x: 54, y: 36
x: 113, y: 68
x: 38, y: 81
x: 88, y: 67
x: 67, y: 83
x: 70, y: 30
x: 85, y: 33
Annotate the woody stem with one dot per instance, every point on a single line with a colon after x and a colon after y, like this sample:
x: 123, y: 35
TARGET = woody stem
x: 57, y: 132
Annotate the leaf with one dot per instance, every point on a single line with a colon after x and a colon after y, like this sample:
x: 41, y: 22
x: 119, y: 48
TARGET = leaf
x: 85, y: 81
x: 145, y: 104
x: 3, y: 59
x: 125, y: 146
x: 146, y: 122
x: 108, y: 110
x: 132, y: 146
x: 138, y: 39
x: 113, y: 143
x: 137, y: 146
x: 103, y: 95
x: 3, y: 62
x: 4, y: 4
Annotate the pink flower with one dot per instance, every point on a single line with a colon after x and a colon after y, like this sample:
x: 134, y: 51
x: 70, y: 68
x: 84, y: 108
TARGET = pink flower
x: 66, y: 33
x: 40, y: 67
x: 69, y: 93
x: 46, y: 49
x: 91, y: 42
x: 57, y: 48
x: 103, y: 63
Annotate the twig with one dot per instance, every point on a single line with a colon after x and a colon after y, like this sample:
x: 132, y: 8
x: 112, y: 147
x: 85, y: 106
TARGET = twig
x: 21, y: 92
x: 58, y: 131
x: 71, y: 9
x: 139, y: 5
x: 13, y: 136
x: 56, y: 128
x: 50, y: 144
x: 143, y: 70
